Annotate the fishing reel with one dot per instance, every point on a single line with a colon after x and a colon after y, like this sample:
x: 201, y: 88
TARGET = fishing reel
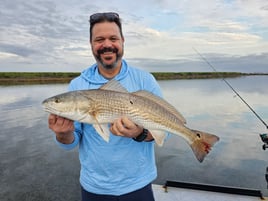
x: 264, y: 138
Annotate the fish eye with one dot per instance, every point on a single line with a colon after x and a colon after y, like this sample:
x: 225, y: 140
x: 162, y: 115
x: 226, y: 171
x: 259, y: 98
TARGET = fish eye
x: 57, y: 100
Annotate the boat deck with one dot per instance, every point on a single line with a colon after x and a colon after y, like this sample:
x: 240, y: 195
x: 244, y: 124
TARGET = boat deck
x: 185, y: 194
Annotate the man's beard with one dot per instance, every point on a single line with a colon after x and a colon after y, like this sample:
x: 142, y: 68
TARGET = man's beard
x: 102, y: 51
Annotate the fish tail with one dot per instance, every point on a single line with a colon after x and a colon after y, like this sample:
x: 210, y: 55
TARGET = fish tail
x: 202, y: 144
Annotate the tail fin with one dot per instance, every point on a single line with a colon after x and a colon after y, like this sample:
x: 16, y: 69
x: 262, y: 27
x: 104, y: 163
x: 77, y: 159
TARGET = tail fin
x: 203, y: 144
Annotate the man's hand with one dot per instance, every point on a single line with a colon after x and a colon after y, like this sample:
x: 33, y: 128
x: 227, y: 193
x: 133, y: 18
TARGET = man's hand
x: 124, y: 127
x: 63, y: 128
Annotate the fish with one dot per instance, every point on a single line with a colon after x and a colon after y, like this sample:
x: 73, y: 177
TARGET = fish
x: 100, y: 107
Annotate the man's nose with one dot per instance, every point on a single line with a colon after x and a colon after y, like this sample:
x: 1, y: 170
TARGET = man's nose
x: 107, y: 43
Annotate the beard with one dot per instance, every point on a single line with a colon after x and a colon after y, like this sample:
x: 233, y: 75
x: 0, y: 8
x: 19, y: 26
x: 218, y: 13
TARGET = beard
x: 104, y: 50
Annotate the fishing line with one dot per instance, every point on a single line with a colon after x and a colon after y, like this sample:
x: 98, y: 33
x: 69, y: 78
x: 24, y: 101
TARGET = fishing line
x: 230, y: 86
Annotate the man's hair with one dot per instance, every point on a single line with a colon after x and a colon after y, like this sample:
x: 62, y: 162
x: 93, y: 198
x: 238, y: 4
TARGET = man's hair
x: 104, y: 17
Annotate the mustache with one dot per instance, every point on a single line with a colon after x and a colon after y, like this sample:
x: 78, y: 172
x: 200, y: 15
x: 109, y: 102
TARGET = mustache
x: 107, y: 49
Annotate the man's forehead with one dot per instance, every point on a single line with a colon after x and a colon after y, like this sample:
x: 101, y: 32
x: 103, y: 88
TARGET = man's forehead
x: 105, y: 28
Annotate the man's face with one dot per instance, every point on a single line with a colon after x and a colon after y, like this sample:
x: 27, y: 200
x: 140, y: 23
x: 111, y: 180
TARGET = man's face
x: 107, y: 44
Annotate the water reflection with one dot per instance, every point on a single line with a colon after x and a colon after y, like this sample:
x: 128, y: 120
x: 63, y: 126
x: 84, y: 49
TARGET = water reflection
x: 238, y: 159
x: 32, y: 167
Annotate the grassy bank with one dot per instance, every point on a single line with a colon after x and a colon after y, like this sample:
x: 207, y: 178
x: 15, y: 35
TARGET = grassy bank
x: 17, y: 78
x: 195, y: 75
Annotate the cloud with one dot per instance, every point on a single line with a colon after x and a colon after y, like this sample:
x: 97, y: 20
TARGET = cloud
x: 157, y: 32
x: 17, y: 50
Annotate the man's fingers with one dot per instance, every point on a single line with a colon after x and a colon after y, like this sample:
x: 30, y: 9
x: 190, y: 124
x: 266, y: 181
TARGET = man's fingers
x: 60, y: 121
x: 52, y: 119
x: 127, y: 123
x: 60, y: 124
x: 117, y: 127
x: 125, y: 127
x: 68, y: 124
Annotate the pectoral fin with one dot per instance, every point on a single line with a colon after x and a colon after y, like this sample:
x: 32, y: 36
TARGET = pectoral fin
x: 159, y: 136
x: 103, y: 130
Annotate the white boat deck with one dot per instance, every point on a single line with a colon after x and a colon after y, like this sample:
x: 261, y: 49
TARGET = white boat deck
x: 182, y: 194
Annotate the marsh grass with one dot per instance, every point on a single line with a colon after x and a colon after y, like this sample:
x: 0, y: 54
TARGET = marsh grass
x: 19, y: 78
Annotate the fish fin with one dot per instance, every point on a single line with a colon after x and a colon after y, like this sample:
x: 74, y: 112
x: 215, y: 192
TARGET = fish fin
x: 103, y: 131
x: 113, y: 85
x: 161, y: 102
x: 202, y: 144
x: 159, y: 136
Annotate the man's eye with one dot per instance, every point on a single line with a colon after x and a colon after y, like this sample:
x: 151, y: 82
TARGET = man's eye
x: 99, y: 40
x: 113, y: 39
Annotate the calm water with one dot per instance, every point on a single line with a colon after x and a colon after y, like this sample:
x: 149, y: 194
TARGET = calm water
x: 32, y: 167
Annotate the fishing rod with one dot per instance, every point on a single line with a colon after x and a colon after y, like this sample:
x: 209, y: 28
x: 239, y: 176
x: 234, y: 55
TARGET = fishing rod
x: 263, y: 136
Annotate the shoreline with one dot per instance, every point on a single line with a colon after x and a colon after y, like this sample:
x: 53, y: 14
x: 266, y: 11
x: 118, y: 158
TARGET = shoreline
x: 27, y: 78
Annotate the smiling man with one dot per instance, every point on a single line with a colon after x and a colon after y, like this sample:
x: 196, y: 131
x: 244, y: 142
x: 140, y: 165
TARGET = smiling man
x: 107, y: 47
x: 123, y: 168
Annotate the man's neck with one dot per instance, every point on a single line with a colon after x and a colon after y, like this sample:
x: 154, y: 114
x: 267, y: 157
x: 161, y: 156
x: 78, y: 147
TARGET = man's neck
x: 109, y: 73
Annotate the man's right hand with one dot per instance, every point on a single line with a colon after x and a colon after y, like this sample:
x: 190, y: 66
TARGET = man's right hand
x: 63, y: 128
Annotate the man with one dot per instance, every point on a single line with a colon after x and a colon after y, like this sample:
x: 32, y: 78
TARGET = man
x: 123, y: 168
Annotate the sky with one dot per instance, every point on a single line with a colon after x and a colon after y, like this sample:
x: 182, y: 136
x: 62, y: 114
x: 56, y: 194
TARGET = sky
x: 160, y: 35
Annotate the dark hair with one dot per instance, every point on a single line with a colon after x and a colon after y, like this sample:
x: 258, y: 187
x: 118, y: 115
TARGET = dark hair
x: 104, y: 17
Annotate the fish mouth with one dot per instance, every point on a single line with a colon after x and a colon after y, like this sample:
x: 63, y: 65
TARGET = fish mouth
x: 46, y: 109
x: 49, y: 109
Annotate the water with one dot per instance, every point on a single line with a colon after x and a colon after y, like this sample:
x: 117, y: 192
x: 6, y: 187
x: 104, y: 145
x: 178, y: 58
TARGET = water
x: 32, y: 167
x: 209, y: 105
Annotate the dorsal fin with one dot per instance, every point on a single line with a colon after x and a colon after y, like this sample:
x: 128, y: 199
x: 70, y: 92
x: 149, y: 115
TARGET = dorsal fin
x: 113, y: 85
x: 161, y: 102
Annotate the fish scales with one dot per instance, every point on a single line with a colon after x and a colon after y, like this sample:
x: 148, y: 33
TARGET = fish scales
x: 139, y: 109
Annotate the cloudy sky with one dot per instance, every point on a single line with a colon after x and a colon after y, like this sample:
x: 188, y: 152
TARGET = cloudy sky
x: 160, y: 34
